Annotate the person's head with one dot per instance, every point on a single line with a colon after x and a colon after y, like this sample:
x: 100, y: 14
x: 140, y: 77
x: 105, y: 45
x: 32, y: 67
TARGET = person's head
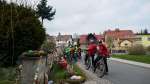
x: 100, y: 42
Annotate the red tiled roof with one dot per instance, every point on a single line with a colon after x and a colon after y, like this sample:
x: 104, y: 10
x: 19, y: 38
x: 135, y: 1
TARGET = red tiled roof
x: 83, y: 38
x: 119, y: 33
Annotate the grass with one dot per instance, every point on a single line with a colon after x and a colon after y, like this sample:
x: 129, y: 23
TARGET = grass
x: 58, y: 74
x: 7, y: 75
x: 78, y: 71
x: 137, y: 58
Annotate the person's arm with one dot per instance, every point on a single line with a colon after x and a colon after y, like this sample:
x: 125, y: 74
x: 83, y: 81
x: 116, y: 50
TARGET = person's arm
x: 106, y: 50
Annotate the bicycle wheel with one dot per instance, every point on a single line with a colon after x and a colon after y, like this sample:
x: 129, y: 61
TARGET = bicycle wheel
x: 88, y: 63
x: 100, y: 68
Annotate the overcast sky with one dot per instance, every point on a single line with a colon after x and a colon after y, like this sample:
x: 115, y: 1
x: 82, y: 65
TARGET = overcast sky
x: 84, y: 16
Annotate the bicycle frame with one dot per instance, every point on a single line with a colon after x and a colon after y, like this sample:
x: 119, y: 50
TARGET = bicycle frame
x: 100, y: 68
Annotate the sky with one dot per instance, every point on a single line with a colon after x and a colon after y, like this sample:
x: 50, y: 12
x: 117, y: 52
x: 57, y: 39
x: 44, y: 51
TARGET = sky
x: 89, y: 16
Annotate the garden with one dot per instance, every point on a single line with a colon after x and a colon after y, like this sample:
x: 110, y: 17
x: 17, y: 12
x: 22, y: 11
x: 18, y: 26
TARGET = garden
x: 65, y: 69
x: 137, y: 53
x: 73, y: 76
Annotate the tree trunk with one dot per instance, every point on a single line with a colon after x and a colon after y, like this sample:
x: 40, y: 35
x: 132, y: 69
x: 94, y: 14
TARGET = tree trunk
x: 42, y: 21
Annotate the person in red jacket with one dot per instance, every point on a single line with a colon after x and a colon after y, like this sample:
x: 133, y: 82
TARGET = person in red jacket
x: 102, y: 53
x: 92, y: 48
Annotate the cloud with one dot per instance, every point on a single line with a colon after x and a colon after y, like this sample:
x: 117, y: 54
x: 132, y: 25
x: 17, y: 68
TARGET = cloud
x: 83, y: 16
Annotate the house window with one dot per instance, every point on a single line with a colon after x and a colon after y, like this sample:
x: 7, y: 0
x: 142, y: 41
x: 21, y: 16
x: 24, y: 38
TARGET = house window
x: 126, y: 44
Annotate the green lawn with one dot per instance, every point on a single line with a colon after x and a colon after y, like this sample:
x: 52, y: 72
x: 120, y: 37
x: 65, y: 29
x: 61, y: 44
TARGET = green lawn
x: 138, y: 58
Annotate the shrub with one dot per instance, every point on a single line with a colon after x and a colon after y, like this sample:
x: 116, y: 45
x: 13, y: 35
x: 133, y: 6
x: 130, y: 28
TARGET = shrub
x: 7, y: 75
x: 148, y: 48
x: 6, y: 82
x: 137, y: 49
x: 48, y: 46
x: 27, y: 34
x: 35, y: 53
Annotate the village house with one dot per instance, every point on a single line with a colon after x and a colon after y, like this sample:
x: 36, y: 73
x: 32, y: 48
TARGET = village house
x: 121, y: 39
x: 51, y: 38
x: 63, y: 39
x: 143, y: 39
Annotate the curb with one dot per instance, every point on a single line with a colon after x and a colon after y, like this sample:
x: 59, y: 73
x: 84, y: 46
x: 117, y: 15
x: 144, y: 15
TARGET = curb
x: 92, y: 78
x: 131, y: 62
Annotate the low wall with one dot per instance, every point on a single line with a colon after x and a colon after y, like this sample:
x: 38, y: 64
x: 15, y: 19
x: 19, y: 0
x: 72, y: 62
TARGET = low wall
x: 33, y: 68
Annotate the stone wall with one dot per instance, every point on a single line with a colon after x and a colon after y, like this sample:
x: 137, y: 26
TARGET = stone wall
x: 33, y: 68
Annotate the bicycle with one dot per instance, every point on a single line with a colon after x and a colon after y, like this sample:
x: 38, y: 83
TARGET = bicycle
x: 87, y: 60
x: 100, y: 68
x: 88, y: 63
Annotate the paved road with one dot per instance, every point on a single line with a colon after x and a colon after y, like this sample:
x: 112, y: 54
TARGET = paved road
x: 92, y: 78
x: 121, y: 73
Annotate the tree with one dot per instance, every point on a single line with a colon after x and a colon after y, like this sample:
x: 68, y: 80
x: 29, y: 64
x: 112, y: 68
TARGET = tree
x: 141, y: 31
x: 137, y: 49
x: 48, y: 46
x: 28, y: 33
x: 44, y: 11
x: 2, y: 2
x: 145, y: 31
x: 109, y: 41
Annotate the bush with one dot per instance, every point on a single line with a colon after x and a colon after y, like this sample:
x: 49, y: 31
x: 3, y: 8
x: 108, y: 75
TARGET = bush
x: 48, y: 46
x: 35, y: 53
x: 27, y: 34
x: 6, y: 82
x: 7, y: 75
x: 148, y: 48
x: 137, y: 49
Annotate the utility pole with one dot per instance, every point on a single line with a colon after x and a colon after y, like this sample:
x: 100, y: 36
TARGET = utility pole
x: 12, y: 33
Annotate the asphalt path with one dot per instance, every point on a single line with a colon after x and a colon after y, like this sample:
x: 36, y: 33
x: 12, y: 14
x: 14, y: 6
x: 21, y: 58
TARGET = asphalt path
x: 122, y: 73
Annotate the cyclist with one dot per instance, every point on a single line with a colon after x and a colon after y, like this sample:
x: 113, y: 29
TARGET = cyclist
x: 102, y: 53
x: 91, y: 51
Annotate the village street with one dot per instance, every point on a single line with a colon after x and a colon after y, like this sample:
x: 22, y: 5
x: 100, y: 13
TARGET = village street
x: 121, y: 73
